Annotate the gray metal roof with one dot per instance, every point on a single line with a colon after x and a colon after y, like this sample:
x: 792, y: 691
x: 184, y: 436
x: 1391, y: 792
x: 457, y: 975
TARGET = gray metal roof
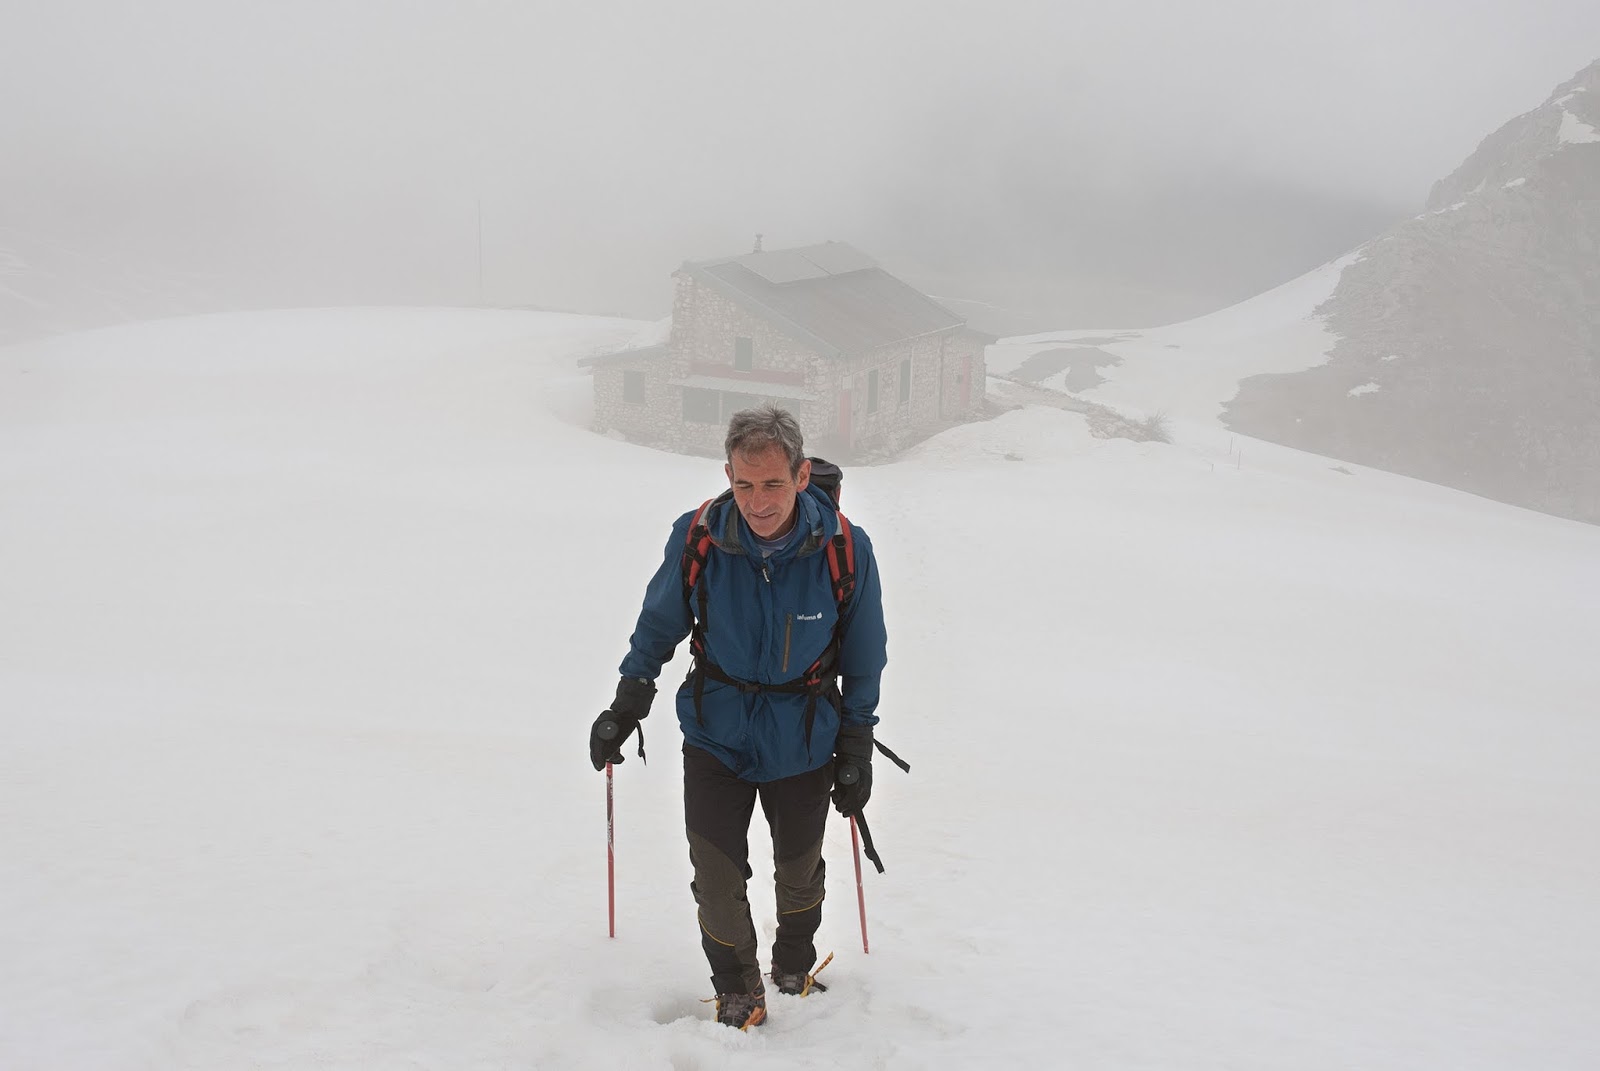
x: 807, y: 262
x: 641, y: 353
x: 833, y: 296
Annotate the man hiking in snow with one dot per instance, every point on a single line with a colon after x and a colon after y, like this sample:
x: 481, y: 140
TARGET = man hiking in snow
x: 779, y: 703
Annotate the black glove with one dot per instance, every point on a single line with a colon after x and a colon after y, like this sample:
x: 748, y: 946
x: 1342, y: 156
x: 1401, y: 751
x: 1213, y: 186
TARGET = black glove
x: 615, y: 725
x: 852, y: 769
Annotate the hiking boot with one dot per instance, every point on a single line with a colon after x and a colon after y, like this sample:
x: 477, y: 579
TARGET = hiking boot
x: 743, y: 1010
x: 799, y: 983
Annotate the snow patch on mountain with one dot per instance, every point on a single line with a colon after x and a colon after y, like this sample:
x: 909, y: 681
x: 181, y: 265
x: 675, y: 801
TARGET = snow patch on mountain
x: 1575, y: 131
x: 1188, y: 370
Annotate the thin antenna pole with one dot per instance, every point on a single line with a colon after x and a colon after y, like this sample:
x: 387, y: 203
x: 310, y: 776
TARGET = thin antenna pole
x: 479, y: 202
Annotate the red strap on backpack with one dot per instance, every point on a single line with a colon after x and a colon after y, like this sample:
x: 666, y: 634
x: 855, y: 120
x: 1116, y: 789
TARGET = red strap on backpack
x: 842, y: 562
x: 696, y: 546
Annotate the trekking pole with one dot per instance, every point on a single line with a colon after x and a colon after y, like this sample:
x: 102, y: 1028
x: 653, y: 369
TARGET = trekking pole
x: 611, y: 859
x: 861, y: 893
x: 608, y: 730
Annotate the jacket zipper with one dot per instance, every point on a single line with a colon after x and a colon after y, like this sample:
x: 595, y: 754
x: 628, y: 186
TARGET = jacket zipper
x: 788, y: 630
x: 767, y: 577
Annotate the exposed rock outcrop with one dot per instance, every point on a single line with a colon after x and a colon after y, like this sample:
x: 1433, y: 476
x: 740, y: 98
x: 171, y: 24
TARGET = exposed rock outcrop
x: 1469, y: 336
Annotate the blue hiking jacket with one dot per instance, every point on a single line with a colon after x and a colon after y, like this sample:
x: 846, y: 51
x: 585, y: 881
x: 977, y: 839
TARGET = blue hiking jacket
x: 767, y: 621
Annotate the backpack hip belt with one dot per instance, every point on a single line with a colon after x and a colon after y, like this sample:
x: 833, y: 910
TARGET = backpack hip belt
x: 820, y: 680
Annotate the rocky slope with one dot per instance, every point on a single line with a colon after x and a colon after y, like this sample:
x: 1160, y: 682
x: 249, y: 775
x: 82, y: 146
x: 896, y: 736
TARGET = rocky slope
x: 1469, y: 336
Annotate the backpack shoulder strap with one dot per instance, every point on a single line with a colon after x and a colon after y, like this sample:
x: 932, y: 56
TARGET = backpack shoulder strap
x: 696, y: 545
x: 842, y: 562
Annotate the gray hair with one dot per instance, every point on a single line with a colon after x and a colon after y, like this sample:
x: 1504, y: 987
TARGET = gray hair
x: 754, y: 430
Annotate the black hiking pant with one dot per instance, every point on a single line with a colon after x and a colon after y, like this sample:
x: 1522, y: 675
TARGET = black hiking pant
x: 717, y: 808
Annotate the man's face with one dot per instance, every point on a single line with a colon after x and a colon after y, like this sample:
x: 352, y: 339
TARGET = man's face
x: 764, y: 491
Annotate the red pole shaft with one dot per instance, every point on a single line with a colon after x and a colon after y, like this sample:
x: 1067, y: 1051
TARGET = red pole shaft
x: 611, y: 858
x: 861, y: 894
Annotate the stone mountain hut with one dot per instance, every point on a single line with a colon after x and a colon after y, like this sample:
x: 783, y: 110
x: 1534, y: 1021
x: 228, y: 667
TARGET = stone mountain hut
x: 864, y: 361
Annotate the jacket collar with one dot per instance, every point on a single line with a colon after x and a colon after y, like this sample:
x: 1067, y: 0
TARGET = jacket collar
x: 730, y: 533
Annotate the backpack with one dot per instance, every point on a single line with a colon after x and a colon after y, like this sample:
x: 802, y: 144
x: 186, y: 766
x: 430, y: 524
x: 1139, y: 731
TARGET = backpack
x: 828, y: 477
x: 820, y: 678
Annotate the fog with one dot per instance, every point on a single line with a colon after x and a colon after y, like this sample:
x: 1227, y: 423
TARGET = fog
x: 1073, y: 163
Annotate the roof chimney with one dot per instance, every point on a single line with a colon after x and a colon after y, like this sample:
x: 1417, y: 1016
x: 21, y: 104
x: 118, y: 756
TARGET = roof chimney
x: 757, y: 249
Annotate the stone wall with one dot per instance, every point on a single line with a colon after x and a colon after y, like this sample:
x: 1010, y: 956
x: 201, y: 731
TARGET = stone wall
x: 938, y: 366
x: 652, y: 422
x: 706, y: 324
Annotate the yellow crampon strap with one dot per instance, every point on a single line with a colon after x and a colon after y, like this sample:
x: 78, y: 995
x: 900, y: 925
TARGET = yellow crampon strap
x: 812, y: 977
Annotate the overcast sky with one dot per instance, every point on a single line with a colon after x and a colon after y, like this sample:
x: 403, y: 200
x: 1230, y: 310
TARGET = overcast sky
x: 340, y: 150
